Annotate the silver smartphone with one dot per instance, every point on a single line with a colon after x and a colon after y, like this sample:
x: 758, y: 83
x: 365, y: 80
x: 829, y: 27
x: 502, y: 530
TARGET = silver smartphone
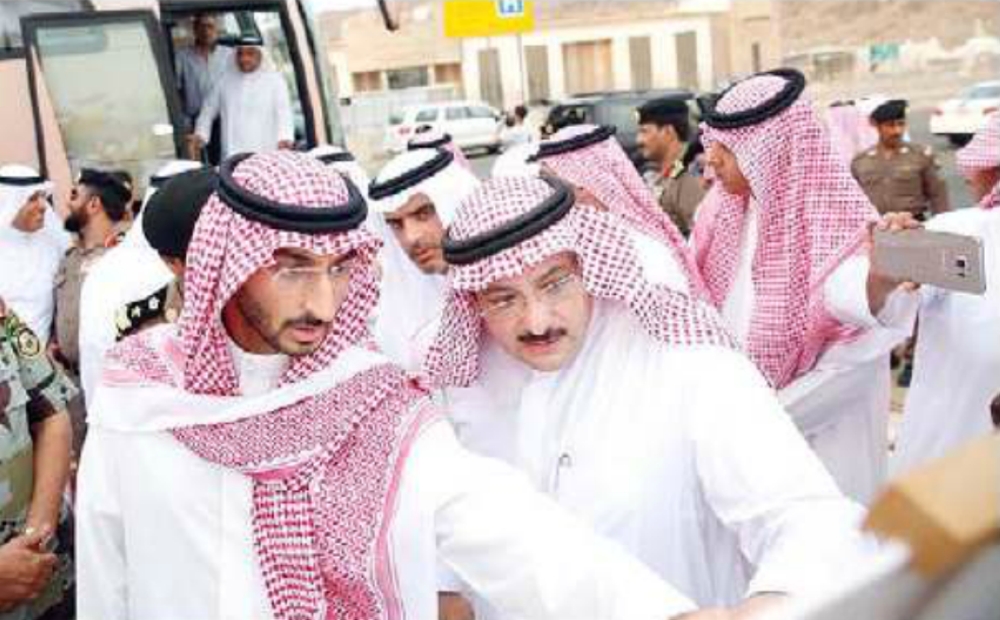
x: 945, y: 260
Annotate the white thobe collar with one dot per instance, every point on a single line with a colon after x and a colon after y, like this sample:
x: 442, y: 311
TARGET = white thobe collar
x: 257, y: 373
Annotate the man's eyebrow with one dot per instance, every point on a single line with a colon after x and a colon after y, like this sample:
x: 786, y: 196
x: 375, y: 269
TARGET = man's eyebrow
x: 343, y: 258
x: 292, y: 254
x: 497, y: 289
x: 551, y: 273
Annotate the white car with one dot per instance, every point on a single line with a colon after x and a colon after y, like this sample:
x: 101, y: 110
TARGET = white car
x: 959, y: 118
x: 471, y: 124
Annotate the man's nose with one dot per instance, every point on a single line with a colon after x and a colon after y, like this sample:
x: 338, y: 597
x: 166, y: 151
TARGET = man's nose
x: 536, y: 316
x: 320, y: 299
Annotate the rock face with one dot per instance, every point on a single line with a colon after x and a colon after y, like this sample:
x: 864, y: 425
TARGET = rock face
x: 808, y: 24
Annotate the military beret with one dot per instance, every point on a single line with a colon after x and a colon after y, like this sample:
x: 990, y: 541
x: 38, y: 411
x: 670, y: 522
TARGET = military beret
x: 171, y: 213
x: 892, y: 110
x: 661, y: 111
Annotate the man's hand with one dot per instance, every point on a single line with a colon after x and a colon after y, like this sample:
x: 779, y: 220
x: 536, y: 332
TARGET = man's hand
x: 31, y: 216
x: 194, y: 145
x: 881, y: 286
x: 754, y: 607
x: 706, y: 614
x: 452, y: 606
x: 758, y: 605
x: 285, y: 145
x: 25, y: 568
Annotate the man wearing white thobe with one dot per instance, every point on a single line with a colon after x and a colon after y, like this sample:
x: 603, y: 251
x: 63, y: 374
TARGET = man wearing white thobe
x: 957, y: 361
x: 253, y: 105
x: 624, y: 400
x: 225, y: 452
x: 32, y: 244
x: 782, y: 245
x: 414, y: 198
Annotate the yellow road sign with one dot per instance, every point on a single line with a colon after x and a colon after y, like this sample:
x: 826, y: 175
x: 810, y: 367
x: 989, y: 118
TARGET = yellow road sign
x: 488, y: 18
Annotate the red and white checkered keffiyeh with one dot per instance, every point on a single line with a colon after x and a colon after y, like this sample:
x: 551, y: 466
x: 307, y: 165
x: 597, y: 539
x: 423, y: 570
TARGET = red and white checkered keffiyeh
x: 605, y: 170
x: 324, y: 470
x: 610, y: 268
x: 983, y: 153
x: 435, y: 138
x: 850, y: 130
x: 811, y: 216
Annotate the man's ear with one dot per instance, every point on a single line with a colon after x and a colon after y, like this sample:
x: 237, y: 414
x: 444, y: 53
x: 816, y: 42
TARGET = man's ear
x: 175, y: 265
x: 670, y: 133
x: 95, y: 204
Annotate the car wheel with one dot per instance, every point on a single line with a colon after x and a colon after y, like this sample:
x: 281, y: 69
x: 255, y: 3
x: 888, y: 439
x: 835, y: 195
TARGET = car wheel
x: 959, y: 139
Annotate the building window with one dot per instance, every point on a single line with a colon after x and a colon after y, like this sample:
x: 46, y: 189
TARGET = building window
x: 536, y: 59
x: 449, y: 73
x: 367, y: 81
x: 686, y: 51
x: 490, y: 85
x: 411, y: 77
x: 588, y: 67
x: 640, y: 55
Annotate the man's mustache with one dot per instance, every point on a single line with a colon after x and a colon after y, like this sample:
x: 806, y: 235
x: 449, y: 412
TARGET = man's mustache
x: 547, y: 336
x: 424, y: 246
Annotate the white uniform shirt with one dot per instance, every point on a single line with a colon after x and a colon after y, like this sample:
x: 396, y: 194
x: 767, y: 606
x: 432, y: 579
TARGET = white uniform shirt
x: 128, y: 272
x: 956, y: 369
x: 256, y: 112
x: 165, y: 535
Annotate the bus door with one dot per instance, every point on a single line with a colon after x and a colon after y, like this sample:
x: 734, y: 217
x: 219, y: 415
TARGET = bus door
x: 103, y: 91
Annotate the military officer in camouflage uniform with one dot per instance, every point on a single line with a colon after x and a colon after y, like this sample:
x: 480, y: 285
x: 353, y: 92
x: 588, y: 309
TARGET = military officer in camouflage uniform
x: 36, y: 572
x: 664, y: 132
x: 898, y: 175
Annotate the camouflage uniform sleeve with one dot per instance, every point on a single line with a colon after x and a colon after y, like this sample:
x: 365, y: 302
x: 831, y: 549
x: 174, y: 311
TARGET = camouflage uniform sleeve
x: 49, y: 389
x: 934, y: 186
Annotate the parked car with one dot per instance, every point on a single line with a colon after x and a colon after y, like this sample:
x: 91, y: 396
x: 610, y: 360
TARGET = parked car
x: 957, y: 119
x: 471, y: 124
x: 611, y: 108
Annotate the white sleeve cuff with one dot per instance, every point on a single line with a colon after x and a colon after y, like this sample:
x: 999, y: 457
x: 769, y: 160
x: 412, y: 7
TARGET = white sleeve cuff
x: 846, y: 293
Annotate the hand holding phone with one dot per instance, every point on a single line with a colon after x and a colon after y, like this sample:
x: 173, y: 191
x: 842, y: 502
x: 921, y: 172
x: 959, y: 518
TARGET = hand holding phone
x: 945, y: 260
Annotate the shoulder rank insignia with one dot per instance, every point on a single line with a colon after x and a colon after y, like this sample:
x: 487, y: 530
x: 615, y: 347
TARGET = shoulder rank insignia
x: 136, y: 315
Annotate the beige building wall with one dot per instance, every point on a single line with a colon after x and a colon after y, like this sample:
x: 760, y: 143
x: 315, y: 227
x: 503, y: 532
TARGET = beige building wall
x: 662, y: 35
x: 358, y: 43
x: 727, y: 36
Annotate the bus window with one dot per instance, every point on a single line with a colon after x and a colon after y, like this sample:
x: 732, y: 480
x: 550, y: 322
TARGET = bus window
x: 100, y: 66
x: 11, y: 12
x: 268, y: 26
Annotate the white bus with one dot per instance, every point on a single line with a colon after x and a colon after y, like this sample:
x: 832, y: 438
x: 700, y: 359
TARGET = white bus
x: 92, y: 82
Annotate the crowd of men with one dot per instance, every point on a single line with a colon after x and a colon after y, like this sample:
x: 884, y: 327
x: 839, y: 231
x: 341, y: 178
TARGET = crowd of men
x: 281, y: 389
